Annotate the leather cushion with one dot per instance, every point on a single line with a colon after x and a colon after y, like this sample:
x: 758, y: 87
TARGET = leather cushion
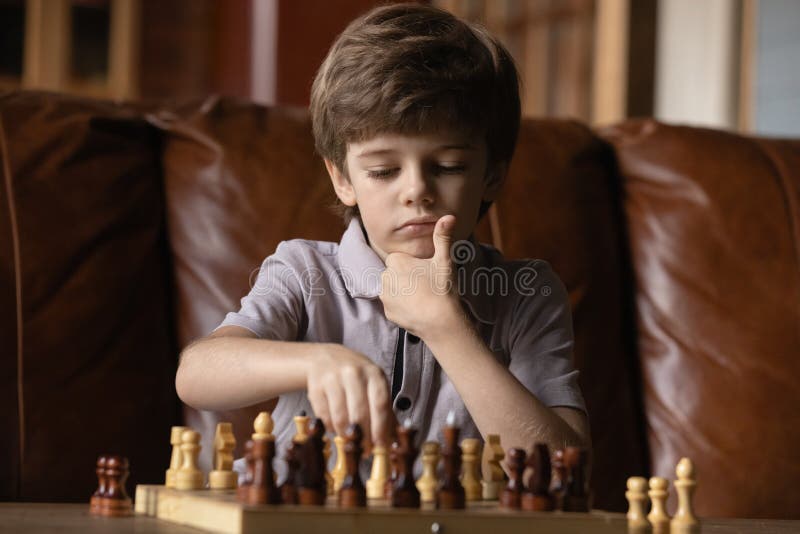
x: 97, y: 354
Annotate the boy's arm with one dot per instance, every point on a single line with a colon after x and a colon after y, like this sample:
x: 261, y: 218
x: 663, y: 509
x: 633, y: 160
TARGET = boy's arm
x: 497, y: 400
x: 232, y: 368
x: 488, y: 389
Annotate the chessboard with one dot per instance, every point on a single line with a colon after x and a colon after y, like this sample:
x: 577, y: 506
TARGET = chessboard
x: 220, y: 511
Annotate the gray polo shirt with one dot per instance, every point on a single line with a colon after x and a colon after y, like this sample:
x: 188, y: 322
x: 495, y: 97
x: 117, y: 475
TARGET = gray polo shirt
x: 321, y: 291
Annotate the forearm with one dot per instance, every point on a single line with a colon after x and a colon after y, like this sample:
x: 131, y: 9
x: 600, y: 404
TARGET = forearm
x: 510, y: 410
x: 221, y: 373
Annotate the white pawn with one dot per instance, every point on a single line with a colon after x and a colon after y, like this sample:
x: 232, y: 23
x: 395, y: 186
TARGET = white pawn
x: 470, y: 468
x: 427, y: 482
x: 189, y: 477
x: 340, y: 468
x: 326, y: 454
x: 637, y: 496
x: 176, y: 460
x: 494, y: 476
x: 301, y: 426
x: 262, y: 427
x: 379, y: 473
x: 685, y: 520
x: 223, y: 477
x: 659, y: 491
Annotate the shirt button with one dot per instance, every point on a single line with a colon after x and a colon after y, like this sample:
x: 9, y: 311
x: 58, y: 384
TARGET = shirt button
x: 403, y: 403
x: 412, y: 338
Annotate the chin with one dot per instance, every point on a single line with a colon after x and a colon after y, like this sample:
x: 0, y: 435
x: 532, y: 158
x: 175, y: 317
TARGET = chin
x: 423, y: 251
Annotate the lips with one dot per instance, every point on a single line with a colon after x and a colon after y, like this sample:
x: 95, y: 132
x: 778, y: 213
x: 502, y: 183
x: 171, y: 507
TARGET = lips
x: 429, y: 219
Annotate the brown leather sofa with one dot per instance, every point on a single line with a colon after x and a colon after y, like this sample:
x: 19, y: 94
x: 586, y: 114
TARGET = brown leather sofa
x: 126, y: 231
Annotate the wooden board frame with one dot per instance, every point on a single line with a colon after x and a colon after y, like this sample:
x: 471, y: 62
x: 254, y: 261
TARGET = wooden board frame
x: 218, y: 511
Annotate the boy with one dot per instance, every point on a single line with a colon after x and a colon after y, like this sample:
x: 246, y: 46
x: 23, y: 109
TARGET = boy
x: 416, y: 114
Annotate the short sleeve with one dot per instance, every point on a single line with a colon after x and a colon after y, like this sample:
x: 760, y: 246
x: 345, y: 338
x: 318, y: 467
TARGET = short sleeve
x: 274, y: 308
x: 541, y: 340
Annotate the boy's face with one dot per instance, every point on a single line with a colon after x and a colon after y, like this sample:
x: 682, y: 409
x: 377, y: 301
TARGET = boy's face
x: 394, y: 178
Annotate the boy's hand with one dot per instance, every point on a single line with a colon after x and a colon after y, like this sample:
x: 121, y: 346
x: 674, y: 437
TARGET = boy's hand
x: 421, y: 295
x: 345, y: 387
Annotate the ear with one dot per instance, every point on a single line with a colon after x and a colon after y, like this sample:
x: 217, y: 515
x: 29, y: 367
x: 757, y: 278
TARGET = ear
x: 495, y: 178
x: 341, y: 184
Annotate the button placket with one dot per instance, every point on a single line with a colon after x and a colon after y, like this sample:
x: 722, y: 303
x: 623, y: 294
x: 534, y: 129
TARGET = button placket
x: 409, y: 395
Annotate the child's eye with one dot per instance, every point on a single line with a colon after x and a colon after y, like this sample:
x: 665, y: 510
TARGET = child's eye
x: 451, y: 169
x: 380, y: 173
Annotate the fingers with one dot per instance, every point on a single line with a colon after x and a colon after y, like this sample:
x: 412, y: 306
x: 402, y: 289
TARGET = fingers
x: 355, y: 387
x: 337, y: 405
x: 319, y: 403
x: 352, y: 390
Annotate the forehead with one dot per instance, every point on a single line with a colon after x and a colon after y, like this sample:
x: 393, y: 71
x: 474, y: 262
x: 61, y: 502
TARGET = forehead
x: 422, y: 143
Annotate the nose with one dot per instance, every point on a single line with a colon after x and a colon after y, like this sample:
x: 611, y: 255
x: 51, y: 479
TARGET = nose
x: 416, y: 187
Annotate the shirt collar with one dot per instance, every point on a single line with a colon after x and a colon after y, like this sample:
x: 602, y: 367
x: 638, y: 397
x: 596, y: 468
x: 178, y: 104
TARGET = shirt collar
x: 361, y: 269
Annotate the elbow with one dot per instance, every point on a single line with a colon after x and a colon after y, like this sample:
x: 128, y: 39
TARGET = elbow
x: 183, y: 378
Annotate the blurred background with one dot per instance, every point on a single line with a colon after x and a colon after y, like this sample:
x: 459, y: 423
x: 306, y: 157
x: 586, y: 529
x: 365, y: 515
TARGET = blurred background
x: 729, y: 64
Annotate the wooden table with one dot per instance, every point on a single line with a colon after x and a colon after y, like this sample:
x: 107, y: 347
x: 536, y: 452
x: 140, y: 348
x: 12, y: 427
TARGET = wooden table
x: 74, y: 518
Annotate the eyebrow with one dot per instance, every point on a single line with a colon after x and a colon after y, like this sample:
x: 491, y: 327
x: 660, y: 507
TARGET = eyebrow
x: 381, y: 151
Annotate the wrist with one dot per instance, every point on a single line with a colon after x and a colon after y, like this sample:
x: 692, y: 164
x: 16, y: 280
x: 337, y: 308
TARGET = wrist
x: 453, y: 320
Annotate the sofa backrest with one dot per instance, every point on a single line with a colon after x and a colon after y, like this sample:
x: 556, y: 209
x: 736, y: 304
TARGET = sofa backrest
x: 88, y: 357
x: 714, y: 229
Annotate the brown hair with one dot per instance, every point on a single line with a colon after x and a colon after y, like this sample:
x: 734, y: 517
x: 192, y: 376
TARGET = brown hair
x: 412, y: 68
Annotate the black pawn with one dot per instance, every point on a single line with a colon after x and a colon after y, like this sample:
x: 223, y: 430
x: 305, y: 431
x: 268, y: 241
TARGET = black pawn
x: 313, y: 487
x: 243, y: 491
x: 353, y: 493
x: 262, y: 490
x: 404, y: 490
x: 537, y: 497
x: 576, y: 497
x: 289, y: 487
x: 511, y: 497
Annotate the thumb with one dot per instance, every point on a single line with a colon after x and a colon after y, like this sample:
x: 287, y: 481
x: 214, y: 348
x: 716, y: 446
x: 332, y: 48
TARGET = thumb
x: 443, y: 237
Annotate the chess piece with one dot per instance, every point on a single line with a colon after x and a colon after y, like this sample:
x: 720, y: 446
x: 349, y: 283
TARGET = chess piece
x: 294, y: 453
x: 189, y: 477
x: 262, y: 426
x: 685, y: 521
x: 289, y: 487
x: 378, y: 475
x: 176, y: 459
x: 494, y: 476
x: 111, y: 499
x: 393, y: 459
x: 312, y: 489
x: 576, y: 498
x: 426, y: 484
x: 301, y: 427
x: 470, y: 469
x: 450, y: 493
x: 658, y: 517
x: 100, y: 470
x: 637, y: 522
x: 537, y: 497
x: 558, y: 484
x: 262, y: 490
x: 511, y: 496
x: 340, y: 468
x: 352, y: 493
x: 243, y: 490
x: 223, y: 476
x: 326, y: 453
x: 404, y: 490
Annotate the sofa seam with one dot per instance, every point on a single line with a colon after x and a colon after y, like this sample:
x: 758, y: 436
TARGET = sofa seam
x: 12, y: 215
